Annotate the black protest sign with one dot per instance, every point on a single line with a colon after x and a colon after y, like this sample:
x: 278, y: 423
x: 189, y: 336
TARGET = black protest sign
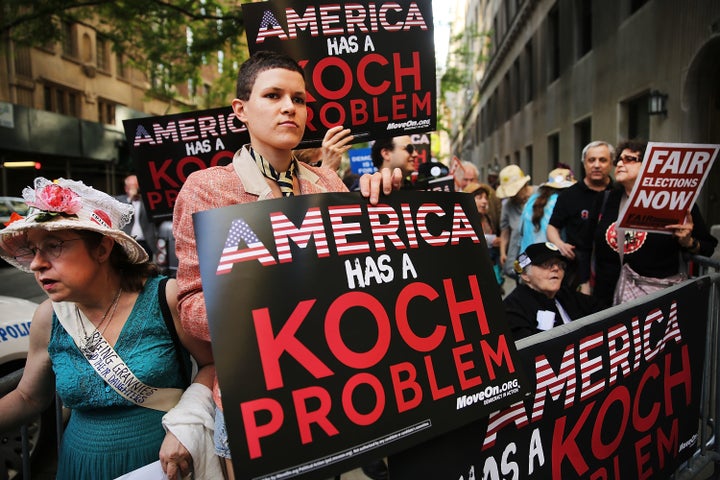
x: 369, y: 66
x: 421, y: 143
x: 616, y: 395
x: 343, y: 332
x: 166, y: 149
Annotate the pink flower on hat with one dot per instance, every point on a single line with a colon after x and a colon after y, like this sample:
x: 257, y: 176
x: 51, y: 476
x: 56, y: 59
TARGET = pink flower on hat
x: 57, y: 199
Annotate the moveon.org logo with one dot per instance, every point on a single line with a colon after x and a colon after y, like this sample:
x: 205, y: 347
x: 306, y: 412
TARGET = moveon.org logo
x: 489, y: 393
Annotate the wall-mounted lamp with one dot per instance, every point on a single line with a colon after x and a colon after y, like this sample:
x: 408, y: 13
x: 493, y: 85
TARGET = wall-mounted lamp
x: 657, y: 103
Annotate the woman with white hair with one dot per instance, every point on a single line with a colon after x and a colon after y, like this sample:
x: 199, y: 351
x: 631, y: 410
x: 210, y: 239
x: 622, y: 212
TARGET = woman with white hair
x: 541, y: 302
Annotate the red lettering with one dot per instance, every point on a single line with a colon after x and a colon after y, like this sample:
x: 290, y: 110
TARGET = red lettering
x: 253, y: 431
x: 398, y: 107
x: 643, y: 424
x: 362, y: 76
x: 462, y: 367
x: 599, y: 448
x: 667, y: 445
x: 683, y: 377
x: 358, y: 112
x: 643, y: 458
x: 421, y: 104
x: 305, y: 417
x: 272, y: 347
x: 377, y: 118
x: 568, y: 447
x: 413, y: 71
x: 160, y: 175
x: 417, y: 343
x: 154, y: 199
x: 502, y: 352
x: 347, y: 395
x: 473, y: 305
x: 325, y: 111
x: 345, y: 73
x: 357, y: 360
x: 437, y: 393
x: 409, y: 384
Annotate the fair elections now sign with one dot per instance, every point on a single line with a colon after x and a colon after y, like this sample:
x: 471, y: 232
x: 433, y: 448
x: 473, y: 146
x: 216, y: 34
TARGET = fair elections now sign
x: 668, y: 184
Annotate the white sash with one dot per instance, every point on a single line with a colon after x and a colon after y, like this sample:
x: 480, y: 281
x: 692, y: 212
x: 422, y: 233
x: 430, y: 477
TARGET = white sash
x: 108, y: 364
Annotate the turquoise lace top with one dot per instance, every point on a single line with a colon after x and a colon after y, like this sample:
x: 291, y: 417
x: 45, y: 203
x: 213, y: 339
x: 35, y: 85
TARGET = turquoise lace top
x: 108, y: 435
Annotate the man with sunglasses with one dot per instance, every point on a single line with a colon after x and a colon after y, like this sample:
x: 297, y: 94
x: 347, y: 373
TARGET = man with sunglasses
x: 541, y: 302
x: 396, y: 152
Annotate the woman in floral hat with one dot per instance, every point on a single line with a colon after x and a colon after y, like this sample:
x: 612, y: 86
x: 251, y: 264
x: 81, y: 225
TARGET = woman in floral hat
x: 105, y: 339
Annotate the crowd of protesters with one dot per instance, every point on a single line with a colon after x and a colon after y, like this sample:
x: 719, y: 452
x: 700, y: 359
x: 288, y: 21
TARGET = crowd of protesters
x: 559, y: 242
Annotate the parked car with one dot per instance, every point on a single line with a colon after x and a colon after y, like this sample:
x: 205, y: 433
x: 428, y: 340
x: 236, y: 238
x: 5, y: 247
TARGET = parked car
x: 15, y: 317
x: 165, y: 256
x: 8, y: 205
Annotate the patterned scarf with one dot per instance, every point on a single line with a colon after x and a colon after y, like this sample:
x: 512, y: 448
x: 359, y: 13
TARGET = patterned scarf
x: 283, y: 179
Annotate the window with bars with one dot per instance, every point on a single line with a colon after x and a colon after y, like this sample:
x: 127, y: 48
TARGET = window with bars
x: 106, y: 111
x: 61, y: 100
x: 69, y: 40
x: 102, y: 47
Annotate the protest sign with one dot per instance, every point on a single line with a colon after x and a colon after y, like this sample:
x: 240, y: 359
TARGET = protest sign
x: 421, y: 142
x: 343, y: 332
x: 670, y: 179
x: 370, y: 66
x: 361, y: 160
x: 616, y: 395
x: 166, y: 149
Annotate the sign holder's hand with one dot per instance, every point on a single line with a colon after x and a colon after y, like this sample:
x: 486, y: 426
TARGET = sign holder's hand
x: 683, y: 232
x: 384, y: 181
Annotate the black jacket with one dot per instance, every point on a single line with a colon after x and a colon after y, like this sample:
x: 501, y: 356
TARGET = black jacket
x: 523, y: 304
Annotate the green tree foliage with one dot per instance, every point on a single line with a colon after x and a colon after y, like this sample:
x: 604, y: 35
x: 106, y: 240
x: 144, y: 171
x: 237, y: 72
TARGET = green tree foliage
x: 171, y: 41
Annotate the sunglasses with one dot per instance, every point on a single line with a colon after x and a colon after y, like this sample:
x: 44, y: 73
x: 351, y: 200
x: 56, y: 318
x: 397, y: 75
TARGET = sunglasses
x: 627, y: 159
x: 409, y: 148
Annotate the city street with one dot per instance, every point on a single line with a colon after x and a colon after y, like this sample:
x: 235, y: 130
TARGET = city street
x: 14, y: 283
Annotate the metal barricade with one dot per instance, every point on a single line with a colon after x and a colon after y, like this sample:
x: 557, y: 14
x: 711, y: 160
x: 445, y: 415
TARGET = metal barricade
x: 7, y: 385
x: 706, y: 461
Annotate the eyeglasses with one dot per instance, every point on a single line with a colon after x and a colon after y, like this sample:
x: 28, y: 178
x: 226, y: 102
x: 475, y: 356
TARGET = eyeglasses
x: 409, y: 148
x: 51, y: 250
x: 627, y: 159
x: 548, y: 264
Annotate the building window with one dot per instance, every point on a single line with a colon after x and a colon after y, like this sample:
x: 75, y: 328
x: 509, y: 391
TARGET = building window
x: 102, y: 47
x: 529, y: 78
x: 507, y: 93
x: 23, y: 63
x: 106, y: 112
x: 553, y: 40
x: 553, y: 150
x: 583, y: 27
x: 61, y: 100
x: 517, y: 86
x: 69, y: 40
x: 528, y: 159
x: 120, y: 68
x: 638, y: 120
x: 583, y: 136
